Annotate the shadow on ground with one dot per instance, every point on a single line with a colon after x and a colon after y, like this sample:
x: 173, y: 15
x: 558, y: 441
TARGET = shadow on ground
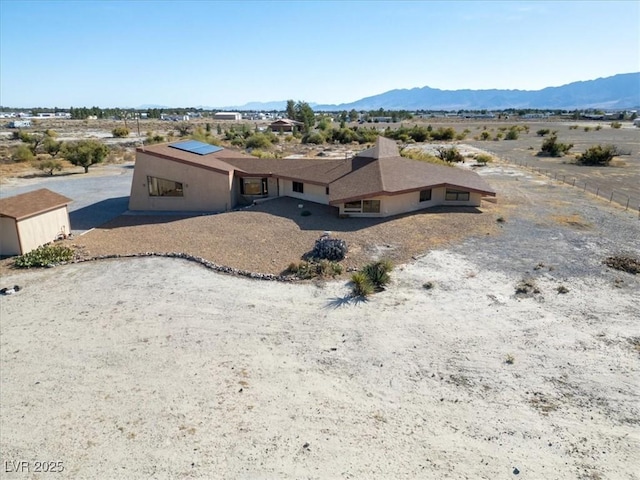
x: 96, y: 214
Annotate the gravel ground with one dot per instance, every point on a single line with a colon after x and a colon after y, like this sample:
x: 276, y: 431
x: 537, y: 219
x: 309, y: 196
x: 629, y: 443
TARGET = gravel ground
x: 266, y: 238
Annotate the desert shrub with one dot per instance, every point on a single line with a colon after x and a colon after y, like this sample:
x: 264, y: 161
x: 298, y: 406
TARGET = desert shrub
x: 443, y: 134
x: 450, y: 155
x: 598, y: 127
x: 307, y: 270
x: 598, y: 155
x: 422, y: 156
x: 22, y: 153
x: 44, y: 256
x: 483, y: 158
x: 258, y: 140
x: 512, y: 134
x: 378, y: 273
x: 48, y: 166
x: 329, y: 248
x: 616, y: 125
x: 542, y: 132
x: 573, y: 127
x: 624, y: 263
x: 154, y: 138
x: 485, y: 135
x: 120, y: 132
x: 360, y: 285
x: 256, y: 152
x: 552, y: 148
x: 315, y: 138
x: 587, y: 129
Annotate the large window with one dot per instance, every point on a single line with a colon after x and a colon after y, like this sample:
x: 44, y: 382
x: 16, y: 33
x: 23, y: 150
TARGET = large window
x: 362, y: 206
x: 457, y: 196
x: 253, y: 186
x: 298, y: 187
x: 160, y: 187
x: 425, y: 195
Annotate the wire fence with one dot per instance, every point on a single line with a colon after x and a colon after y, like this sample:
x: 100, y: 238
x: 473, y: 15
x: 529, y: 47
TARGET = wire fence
x: 612, y: 196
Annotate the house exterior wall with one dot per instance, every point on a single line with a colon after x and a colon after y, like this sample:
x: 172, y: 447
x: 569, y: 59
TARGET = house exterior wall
x: 410, y: 202
x: 44, y: 228
x: 203, y: 190
x: 9, y: 242
x: 312, y: 193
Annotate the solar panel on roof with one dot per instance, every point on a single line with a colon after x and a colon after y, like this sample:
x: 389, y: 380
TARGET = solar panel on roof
x: 194, y: 146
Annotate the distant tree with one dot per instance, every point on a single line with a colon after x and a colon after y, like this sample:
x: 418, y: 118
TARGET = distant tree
x: 353, y: 115
x: 291, y: 109
x: 85, y: 153
x: 304, y: 114
x: 48, y: 166
x: 34, y: 140
x: 52, y: 146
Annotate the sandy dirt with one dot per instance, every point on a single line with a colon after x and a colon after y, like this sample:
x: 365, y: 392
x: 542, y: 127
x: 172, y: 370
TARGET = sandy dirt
x: 160, y: 368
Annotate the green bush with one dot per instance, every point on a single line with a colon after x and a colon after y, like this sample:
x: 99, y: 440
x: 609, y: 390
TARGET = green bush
x: 22, y: 153
x: 120, y: 132
x: 616, y: 125
x: 258, y: 140
x: 378, y: 273
x: 552, y: 148
x: 542, y: 132
x: 315, y: 138
x: 483, y: 158
x: 44, y: 256
x: 598, y: 155
x: 48, y: 166
x: 512, y: 134
x: 360, y: 285
x: 313, y: 269
x: 450, y: 155
x: 485, y: 135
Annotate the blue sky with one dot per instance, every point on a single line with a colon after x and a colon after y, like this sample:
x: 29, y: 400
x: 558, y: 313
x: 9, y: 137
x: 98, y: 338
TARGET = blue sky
x: 216, y: 53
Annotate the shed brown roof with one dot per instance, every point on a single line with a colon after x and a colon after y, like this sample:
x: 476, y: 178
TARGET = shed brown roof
x: 32, y: 203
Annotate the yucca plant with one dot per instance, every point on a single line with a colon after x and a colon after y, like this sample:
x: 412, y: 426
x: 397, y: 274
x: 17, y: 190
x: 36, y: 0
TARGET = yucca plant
x: 361, y: 285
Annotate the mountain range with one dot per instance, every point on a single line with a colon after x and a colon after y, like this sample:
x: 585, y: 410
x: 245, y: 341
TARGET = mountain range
x: 617, y: 92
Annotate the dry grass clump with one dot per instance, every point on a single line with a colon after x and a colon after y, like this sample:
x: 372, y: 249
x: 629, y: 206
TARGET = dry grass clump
x: 624, y: 263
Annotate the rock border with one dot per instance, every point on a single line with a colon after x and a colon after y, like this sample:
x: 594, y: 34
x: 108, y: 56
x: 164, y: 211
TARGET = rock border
x: 199, y: 260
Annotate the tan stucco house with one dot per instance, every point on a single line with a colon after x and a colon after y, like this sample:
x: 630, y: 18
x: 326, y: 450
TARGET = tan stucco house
x: 32, y: 219
x: 378, y: 182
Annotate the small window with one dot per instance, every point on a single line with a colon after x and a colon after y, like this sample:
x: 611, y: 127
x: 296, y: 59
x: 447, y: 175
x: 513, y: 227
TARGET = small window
x: 298, y: 187
x: 425, y: 195
x: 327, y: 190
x: 253, y: 186
x: 371, y: 206
x: 353, y: 207
x: 457, y: 196
x: 161, y: 187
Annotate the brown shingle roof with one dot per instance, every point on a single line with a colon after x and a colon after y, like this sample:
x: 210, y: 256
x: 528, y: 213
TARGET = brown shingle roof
x: 32, y: 203
x: 213, y: 161
x: 391, y: 174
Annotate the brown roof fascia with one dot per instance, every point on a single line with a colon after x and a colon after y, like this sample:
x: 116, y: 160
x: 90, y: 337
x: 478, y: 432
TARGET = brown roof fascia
x: 184, y: 162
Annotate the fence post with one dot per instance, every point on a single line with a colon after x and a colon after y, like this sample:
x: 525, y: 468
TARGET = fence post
x: 574, y: 182
x: 627, y: 207
x: 597, y: 191
x: 585, y: 187
x: 611, y: 197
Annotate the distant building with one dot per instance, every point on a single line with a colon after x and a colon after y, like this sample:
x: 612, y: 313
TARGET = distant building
x: 19, y: 124
x: 285, y: 125
x: 227, y: 116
